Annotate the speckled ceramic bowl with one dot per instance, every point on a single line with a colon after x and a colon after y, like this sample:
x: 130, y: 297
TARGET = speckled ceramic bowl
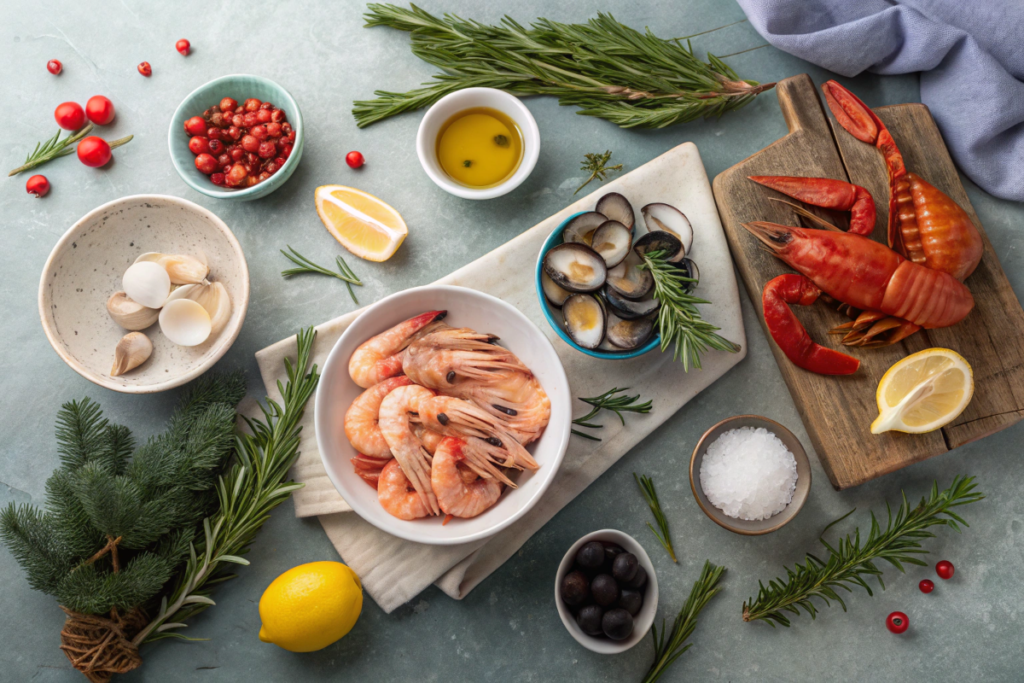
x: 86, y: 267
x: 239, y: 87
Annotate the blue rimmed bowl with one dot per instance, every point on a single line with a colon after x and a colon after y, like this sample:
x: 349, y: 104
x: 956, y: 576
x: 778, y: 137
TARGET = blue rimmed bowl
x: 554, y: 315
x: 239, y: 87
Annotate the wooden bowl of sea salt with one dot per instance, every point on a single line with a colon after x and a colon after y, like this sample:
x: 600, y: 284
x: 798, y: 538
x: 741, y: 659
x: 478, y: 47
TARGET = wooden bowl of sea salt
x: 750, y: 475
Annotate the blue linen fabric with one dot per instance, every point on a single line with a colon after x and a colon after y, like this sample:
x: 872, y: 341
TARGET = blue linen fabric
x: 970, y: 54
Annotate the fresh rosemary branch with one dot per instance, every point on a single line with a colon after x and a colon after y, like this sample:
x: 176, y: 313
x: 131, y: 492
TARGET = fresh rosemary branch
x: 306, y: 266
x: 597, y: 166
x: 609, y: 401
x: 679, y: 321
x: 668, y: 648
x: 646, y: 485
x: 850, y: 561
x: 51, y: 149
x: 607, y: 69
x: 253, y: 486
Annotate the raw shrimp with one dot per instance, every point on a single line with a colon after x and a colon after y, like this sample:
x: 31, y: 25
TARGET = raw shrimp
x: 396, y: 411
x: 361, y: 418
x: 455, y: 495
x: 397, y: 496
x: 380, y: 357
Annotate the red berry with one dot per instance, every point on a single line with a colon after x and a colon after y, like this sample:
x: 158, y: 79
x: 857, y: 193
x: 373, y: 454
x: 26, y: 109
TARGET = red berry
x: 145, y: 69
x: 271, y: 167
x: 94, y: 151
x: 274, y: 129
x: 214, y: 133
x: 354, y: 159
x: 100, y: 110
x: 250, y: 144
x: 263, y: 116
x: 234, y: 132
x: 267, y: 105
x: 259, y: 132
x: 249, y: 119
x: 252, y: 104
x: 267, y: 150
x: 897, y: 622
x: 926, y: 586
x: 286, y: 151
x: 228, y: 105
x: 217, y: 179
x: 216, y: 146
x: 38, y: 184
x: 183, y: 46
x: 236, y: 154
x: 236, y: 176
x: 195, y: 126
x: 280, y: 161
x: 69, y: 115
x: 277, y: 116
x: 224, y: 159
x: 944, y: 569
x: 206, y: 163
x: 55, y: 67
x: 199, y: 145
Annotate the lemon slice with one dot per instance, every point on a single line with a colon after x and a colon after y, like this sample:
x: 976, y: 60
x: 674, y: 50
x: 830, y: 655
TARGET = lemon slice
x: 923, y: 392
x: 363, y: 224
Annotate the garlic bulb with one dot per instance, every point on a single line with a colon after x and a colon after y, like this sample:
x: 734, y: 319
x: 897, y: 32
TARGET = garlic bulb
x: 182, y: 269
x: 133, y: 350
x: 185, y: 322
x: 131, y: 315
x: 213, y: 297
x: 147, y: 283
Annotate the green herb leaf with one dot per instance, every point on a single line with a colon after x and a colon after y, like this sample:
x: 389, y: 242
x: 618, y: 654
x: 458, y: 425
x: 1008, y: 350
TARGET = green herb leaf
x: 305, y: 266
x: 501, y: 140
x: 609, y: 401
x: 597, y: 166
x: 646, y: 485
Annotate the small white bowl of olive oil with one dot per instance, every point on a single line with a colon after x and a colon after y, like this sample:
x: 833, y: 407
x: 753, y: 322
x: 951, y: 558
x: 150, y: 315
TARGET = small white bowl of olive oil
x: 478, y: 143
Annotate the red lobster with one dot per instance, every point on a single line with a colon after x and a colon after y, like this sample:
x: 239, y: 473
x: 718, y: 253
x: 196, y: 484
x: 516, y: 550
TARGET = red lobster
x: 897, y: 293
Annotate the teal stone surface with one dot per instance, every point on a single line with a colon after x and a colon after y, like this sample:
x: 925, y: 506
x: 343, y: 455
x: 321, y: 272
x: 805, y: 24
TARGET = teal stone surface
x: 968, y: 629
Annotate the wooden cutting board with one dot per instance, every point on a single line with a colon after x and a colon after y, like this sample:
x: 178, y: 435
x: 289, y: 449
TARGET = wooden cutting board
x: 837, y: 411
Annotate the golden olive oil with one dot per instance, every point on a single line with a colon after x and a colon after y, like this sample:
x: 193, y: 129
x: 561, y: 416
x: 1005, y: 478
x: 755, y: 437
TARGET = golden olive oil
x: 480, y: 147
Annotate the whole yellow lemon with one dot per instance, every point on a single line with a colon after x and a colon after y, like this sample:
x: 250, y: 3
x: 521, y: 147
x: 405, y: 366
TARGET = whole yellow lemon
x: 310, y: 606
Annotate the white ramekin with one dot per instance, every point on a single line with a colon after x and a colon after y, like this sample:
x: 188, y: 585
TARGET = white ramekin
x: 448, y: 106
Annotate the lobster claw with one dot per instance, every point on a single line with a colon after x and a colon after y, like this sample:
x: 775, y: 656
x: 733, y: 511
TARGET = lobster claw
x: 828, y: 194
x: 791, y: 336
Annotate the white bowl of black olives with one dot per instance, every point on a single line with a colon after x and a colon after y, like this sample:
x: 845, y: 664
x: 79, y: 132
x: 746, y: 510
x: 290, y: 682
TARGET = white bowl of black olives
x: 606, y: 592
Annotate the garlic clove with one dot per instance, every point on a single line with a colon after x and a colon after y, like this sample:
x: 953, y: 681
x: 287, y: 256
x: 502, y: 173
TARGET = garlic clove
x: 213, y: 297
x: 181, y: 268
x: 147, y: 283
x: 131, y: 351
x: 185, y: 322
x: 131, y: 315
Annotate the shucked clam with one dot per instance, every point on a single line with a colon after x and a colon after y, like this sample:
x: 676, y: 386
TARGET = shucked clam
x: 670, y: 246
x: 585, y: 319
x: 616, y: 208
x: 669, y: 219
x: 576, y: 267
x: 612, y: 241
x: 628, y: 280
x: 630, y: 334
x: 581, y: 228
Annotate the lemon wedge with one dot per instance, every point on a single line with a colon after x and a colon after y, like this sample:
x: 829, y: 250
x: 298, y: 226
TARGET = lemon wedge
x: 366, y: 226
x: 923, y: 392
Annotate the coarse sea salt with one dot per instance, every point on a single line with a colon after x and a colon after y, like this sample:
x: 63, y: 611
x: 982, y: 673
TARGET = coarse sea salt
x: 748, y: 473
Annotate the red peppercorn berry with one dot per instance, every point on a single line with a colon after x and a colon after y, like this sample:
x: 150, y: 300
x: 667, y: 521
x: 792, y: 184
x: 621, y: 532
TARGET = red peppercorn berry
x: 236, y: 176
x: 267, y: 150
x: 37, y: 185
x: 195, y: 126
x: 252, y: 104
x: 897, y: 622
x: 944, y: 569
x: 69, y: 115
x: 263, y: 116
x: 250, y: 144
x: 215, y: 146
x: 55, y: 67
x: 354, y: 159
x: 206, y: 163
x: 259, y: 132
x: 145, y: 69
x: 926, y: 586
x: 183, y: 46
x: 217, y: 178
x: 94, y: 151
x: 100, y: 110
x: 234, y: 132
x: 228, y: 105
x: 274, y: 129
x: 199, y: 145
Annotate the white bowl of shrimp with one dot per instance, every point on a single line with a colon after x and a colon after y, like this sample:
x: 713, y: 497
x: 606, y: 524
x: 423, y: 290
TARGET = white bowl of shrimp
x: 442, y: 415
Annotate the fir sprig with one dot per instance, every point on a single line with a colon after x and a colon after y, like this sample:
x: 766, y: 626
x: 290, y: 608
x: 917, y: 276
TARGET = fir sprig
x: 607, y: 69
x: 851, y: 561
x: 679, y: 322
x: 305, y: 266
x: 252, y: 487
x: 609, y: 401
x: 670, y: 645
x: 646, y: 485
x: 597, y: 166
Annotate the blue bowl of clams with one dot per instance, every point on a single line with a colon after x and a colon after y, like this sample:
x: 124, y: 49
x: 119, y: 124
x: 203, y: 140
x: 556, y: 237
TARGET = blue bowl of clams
x: 593, y: 283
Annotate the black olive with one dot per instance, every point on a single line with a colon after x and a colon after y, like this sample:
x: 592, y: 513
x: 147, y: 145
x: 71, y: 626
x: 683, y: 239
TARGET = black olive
x: 589, y: 620
x: 443, y: 419
x: 624, y: 567
x: 575, y: 589
x: 639, y: 581
x: 604, y: 589
x: 630, y: 600
x: 610, y: 552
x: 591, y: 555
x: 617, y: 624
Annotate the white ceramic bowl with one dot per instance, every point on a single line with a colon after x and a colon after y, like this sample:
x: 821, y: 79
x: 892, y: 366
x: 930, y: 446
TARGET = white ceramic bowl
x: 644, y: 618
x: 86, y: 266
x: 466, y: 308
x: 448, y: 106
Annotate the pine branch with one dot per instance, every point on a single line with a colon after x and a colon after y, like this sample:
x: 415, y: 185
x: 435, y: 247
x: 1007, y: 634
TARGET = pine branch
x: 605, y: 68
x: 850, y: 562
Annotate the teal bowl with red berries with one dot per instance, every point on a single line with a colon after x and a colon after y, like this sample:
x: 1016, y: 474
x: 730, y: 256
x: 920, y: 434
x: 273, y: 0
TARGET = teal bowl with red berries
x: 269, y: 167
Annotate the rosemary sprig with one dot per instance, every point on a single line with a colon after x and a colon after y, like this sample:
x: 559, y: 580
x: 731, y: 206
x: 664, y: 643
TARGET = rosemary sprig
x: 597, y: 166
x: 253, y: 486
x: 667, y: 649
x: 679, y: 321
x: 306, y: 266
x: 609, y: 401
x: 646, y: 485
x: 51, y: 149
x: 850, y: 562
x: 607, y: 69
